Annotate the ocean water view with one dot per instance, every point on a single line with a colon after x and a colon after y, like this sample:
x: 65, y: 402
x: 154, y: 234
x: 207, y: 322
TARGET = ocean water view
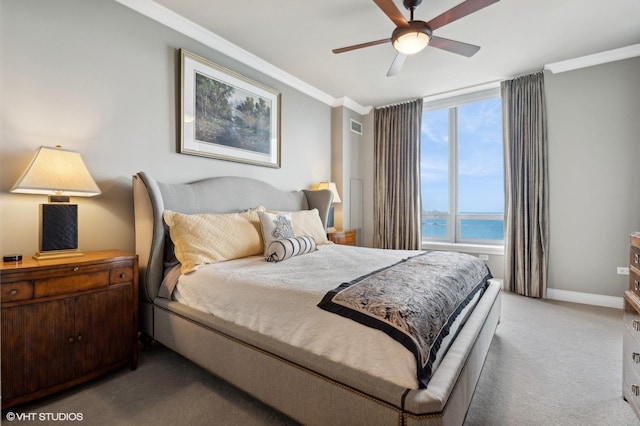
x: 472, y: 229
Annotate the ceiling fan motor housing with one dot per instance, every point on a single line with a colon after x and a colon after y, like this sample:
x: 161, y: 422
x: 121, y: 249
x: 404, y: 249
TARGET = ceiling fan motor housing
x: 411, y: 4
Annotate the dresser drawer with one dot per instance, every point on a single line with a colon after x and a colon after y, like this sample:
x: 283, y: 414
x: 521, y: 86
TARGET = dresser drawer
x: 631, y: 351
x: 634, y: 257
x: 79, y: 280
x: 123, y: 274
x: 631, y: 384
x: 19, y: 290
x: 631, y: 321
x: 634, y: 282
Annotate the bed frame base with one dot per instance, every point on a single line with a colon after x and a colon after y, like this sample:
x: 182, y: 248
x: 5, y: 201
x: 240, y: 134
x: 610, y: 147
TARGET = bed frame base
x: 302, y: 394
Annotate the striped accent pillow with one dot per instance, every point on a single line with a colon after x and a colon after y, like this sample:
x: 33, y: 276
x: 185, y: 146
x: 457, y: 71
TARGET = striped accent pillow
x: 280, y: 250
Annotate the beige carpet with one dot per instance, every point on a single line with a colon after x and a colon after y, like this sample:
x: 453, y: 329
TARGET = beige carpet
x: 553, y: 363
x: 550, y: 363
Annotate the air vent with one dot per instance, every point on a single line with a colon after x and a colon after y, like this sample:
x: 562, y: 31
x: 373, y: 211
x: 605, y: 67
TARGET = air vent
x: 356, y: 127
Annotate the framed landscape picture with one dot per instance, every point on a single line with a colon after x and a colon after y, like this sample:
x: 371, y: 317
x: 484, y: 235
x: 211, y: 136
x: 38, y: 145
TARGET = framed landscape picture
x: 227, y: 116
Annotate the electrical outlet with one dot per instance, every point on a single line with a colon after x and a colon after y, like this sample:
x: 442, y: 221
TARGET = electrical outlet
x: 623, y: 270
x: 483, y: 256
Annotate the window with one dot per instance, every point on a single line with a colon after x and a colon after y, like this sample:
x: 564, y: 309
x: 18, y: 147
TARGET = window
x: 462, y: 171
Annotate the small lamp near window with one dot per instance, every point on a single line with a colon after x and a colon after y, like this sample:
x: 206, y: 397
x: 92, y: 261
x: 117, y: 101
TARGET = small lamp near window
x: 336, y: 200
x: 59, y: 174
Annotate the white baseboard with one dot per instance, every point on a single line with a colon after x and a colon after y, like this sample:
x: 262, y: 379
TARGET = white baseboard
x: 585, y: 298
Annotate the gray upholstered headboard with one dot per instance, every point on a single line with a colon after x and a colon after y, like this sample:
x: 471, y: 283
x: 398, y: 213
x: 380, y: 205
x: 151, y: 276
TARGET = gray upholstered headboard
x: 214, y: 195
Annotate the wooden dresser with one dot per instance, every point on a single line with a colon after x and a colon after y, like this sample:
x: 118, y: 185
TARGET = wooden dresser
x: 65, y: 321
x: 631, y: 336
x: 346, y: 237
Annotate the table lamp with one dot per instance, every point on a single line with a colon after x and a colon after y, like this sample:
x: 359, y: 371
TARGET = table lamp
x: 59, y: 174
x: 336, y: 199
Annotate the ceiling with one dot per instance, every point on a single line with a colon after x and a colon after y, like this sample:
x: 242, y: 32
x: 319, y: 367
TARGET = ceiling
x: 516, y: 37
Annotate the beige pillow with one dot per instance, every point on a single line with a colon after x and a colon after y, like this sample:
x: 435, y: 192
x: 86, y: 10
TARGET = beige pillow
x: 202, y: 239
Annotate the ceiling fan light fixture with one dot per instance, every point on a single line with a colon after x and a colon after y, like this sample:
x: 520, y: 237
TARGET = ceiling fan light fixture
x: 411, y: 39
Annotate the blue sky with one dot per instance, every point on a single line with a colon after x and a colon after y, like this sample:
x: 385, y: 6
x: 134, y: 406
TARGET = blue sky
x: 480, y: 165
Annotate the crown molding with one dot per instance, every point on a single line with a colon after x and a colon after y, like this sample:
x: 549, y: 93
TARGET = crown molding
x: 352, y: 105
x: 190, y: 29
x: 595, y: 59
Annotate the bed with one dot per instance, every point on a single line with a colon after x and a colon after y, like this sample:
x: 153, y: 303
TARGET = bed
x: 279, y: 361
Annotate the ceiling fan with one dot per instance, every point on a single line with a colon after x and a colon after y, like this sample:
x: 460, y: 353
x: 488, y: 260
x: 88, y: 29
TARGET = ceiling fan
x: 413, y: 36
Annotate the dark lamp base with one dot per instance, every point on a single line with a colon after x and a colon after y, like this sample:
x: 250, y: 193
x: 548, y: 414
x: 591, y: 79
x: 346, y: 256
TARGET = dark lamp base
x: 330, y: 218
x: 59, y: 227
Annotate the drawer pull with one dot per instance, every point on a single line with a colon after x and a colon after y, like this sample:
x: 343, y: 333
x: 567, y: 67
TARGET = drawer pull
x: 80, y: 338
x: 71, y: 340
x: 636, y: 258
x: 636, y: 357
x: 636, y: 285
x: 76, y: 269
x: 635, y: 389
x: 13, y: 292
x: 636, y: 325
x: 123, y: 275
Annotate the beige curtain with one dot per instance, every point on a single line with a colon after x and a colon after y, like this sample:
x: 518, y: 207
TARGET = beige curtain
x: 526, y: 185
x: 397, y: 205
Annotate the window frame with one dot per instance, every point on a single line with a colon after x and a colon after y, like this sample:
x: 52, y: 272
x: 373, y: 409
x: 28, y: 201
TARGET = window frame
x: 454, y: 237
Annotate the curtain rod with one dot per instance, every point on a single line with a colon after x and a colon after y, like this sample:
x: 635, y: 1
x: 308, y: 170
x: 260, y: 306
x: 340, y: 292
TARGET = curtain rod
x: 463, y: 90
x: 524, y: 74
x: 475, y: 87
x: 398, y: 103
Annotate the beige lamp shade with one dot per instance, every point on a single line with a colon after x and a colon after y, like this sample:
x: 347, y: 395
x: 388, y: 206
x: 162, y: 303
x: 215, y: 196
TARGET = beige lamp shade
x: 331, y: 186
x: 55, y: 171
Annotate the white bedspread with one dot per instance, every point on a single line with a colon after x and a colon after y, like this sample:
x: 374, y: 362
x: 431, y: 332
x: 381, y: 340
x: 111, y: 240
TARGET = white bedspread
x: 280, y: 300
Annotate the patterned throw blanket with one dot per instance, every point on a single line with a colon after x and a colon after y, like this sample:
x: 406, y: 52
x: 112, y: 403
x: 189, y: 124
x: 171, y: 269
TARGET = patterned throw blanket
x: 415, y: 301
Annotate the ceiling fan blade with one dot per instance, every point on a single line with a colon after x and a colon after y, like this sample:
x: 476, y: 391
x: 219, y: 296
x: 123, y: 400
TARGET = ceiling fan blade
x: 460, y: 11
x: 361, y: 45
x: 390, y: 9
x: 396, y: 66
x: 453, y: 46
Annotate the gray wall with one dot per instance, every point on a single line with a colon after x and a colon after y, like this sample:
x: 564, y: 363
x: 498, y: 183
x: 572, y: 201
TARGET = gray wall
x: 96, y: 77
x: 346, y: 170
x: 367, y: 167
x: 594, y: 175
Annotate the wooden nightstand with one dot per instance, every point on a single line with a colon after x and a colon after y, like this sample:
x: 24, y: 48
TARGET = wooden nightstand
x: 66, y: 321
x: 346, y: 237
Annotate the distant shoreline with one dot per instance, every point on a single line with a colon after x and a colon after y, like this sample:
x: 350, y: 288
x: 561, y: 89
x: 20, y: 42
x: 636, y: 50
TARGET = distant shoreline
x: 472, y: 229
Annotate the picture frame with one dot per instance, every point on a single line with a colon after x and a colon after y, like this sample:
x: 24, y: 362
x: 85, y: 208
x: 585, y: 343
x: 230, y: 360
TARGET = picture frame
x: 227, y: 116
